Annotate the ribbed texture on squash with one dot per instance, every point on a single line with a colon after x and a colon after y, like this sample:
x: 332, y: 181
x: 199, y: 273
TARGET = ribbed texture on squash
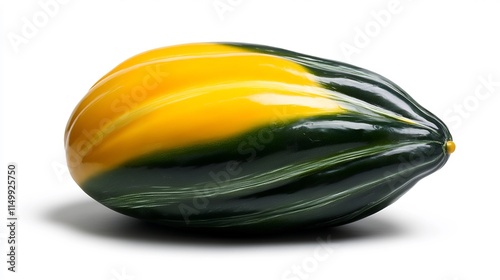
x: 240, y: 136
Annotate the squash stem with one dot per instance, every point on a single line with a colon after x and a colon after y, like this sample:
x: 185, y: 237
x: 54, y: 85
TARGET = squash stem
x: 450, y: 147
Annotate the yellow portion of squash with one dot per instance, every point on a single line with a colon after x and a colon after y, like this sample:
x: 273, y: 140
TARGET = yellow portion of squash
x: 186, y: 95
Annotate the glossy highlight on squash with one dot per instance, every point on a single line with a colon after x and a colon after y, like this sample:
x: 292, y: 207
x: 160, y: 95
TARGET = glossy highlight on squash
x: 242, y: 136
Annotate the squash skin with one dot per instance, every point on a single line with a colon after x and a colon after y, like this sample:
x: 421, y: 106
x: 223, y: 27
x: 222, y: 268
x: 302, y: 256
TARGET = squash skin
x: 295, y: 171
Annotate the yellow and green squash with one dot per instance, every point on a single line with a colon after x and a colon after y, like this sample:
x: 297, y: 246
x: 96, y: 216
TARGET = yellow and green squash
x: 251, y: 137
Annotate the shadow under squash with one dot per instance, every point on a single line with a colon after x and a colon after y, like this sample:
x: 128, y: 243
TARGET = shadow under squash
x: 94, y: 219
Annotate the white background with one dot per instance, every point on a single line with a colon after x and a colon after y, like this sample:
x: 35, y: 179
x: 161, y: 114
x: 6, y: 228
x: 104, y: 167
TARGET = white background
x: 446, y: 228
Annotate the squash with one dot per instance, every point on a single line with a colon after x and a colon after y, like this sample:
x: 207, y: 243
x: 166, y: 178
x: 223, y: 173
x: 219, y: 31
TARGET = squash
x: 249, y: 137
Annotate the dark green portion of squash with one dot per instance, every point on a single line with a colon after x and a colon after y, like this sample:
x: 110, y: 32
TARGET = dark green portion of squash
x: 387, y: 159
